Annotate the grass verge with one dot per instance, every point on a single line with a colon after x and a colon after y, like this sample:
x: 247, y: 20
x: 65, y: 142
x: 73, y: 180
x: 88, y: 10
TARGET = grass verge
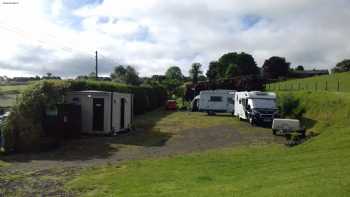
x: 318, y: 167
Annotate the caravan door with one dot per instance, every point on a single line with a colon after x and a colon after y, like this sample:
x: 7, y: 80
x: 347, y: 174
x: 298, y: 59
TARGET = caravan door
x: 230, y: 104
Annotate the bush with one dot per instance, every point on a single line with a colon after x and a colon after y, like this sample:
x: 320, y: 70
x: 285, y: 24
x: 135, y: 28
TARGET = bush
x: 23, y: 130
x: 290, y: 106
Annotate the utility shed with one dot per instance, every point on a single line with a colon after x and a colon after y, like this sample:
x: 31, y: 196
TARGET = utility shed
x: 103, y: 112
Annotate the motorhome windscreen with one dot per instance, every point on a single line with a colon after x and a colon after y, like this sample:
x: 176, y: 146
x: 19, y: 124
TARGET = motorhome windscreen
x: 262, y: 103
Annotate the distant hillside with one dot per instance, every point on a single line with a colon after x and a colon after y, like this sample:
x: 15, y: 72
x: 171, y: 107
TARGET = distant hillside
x: 319, y: 83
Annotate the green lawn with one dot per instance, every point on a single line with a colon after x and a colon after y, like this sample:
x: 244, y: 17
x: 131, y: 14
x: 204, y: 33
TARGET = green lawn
x: 169, y: 122
x: 319, y: 83
x: 319, y: 167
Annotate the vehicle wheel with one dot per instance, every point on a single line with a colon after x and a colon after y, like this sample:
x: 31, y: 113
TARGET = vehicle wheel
x: 274, y: 132
x: 251, y: 121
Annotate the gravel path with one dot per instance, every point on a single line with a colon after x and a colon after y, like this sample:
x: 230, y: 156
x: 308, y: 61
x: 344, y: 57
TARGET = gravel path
x: 48, y: 171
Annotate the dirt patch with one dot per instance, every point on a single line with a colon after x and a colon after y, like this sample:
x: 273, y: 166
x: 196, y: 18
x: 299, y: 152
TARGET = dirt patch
x: 31, y: 174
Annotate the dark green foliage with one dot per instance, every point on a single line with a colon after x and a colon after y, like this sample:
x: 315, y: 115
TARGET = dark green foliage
x: 127, y: 75
x: 23, y: 129
x: 246, y: 64
x: 195, y: 72
x: 213, y: 72
x: 290, y: 106
x: 276, y: 67
x: 174, y: 73
x: 300, y: 68
x: 231, y: 71
x: 343, y: 66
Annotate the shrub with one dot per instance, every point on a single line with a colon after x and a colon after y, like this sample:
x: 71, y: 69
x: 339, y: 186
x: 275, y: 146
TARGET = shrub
x: 290, y: 106
x: 23, y: 130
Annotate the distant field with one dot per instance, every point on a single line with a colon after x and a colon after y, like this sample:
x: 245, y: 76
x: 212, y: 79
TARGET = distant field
x: 12, y: 89
x: 8, y: 94
x: 319, y: 83
x: 8, y: 100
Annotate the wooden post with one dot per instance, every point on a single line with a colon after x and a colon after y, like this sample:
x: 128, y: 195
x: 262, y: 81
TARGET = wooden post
x: 315, y: 86
x: 338, y: 88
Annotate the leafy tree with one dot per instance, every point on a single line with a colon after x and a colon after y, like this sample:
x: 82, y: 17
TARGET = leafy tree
x: 119, y: 74
x: 300, y: 68
x: 126, y: 75
x: 343, y: 66
x: 276, y: 67
x: 174, y: 72
x: 231, y: 71
x: 246, y: 64
x: 213, y: 72
x: 132, y: 76
x: 171, y: 85
x: 202, y: 78
x: 91, y: 76
x: 195, y: 71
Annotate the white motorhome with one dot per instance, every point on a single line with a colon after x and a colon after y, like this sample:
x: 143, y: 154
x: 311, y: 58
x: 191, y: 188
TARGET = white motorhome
x: 256, y: 106
x: 216, y: 101
x: 103, y: 112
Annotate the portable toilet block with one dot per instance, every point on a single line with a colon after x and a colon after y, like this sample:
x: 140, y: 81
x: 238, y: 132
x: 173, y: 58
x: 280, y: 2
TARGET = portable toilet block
x: 103, y: 112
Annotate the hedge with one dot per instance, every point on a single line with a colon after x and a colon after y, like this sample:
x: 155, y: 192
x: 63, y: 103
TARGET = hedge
x: 23, y: 129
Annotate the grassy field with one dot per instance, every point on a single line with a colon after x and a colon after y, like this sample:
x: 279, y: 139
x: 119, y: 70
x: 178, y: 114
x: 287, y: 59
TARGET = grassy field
x: 12, y: 89
x: 8, y: 94
x: 319, y: 83
x: 319, y: 167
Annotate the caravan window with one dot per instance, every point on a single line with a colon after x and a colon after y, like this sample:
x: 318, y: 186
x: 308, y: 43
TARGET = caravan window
x: 215, y: 99
x: 230, y: 100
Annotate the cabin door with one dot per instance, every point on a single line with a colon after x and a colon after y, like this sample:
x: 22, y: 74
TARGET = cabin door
x: 98, y: 114
x: 122, y: 113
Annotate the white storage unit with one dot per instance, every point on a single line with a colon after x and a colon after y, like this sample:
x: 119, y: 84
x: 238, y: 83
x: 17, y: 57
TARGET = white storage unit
x: 103, y: 112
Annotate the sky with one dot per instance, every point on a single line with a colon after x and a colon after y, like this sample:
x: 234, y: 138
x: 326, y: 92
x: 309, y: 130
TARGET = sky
x: 61, y: 36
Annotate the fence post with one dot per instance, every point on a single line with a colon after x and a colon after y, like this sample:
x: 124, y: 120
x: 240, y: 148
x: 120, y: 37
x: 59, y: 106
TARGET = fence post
x: 338, y: 85
x: 326, y: 88
x: 298, y: 85
x: 315, y: 86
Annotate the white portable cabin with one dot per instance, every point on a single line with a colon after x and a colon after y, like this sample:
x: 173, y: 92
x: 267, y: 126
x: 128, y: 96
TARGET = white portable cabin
x: 103, y: 112
x: 216, y: 101
x: 255, y: 106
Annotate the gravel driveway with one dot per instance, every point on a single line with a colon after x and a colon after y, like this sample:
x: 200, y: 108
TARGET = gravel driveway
x: 46, y: 172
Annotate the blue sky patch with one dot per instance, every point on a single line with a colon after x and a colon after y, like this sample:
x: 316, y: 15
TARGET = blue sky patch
x: 249, y: 21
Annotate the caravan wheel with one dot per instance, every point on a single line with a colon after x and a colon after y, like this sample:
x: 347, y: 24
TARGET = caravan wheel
x: 251, y: 121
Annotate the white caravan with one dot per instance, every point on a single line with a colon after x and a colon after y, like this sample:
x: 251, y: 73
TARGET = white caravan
x: 216, y: 101
x: 256, y: 106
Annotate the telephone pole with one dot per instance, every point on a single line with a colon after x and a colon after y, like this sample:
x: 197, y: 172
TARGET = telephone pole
x: 96, y: 72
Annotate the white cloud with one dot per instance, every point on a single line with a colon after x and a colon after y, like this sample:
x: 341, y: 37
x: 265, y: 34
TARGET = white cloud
x: 154, y: 34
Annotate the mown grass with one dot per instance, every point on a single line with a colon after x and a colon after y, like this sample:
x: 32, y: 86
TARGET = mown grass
x: 175, y: 122
x: 2, y: 163
x: 319, y: 83
x: 319, y: 167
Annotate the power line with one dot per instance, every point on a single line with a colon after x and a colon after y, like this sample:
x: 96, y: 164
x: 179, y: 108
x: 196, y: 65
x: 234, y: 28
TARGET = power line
x: 24, y: 34
x: 66, y: 48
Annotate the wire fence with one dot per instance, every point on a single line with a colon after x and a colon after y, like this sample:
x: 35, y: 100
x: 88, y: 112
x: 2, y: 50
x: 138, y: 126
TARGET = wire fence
x: 325, y: 85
